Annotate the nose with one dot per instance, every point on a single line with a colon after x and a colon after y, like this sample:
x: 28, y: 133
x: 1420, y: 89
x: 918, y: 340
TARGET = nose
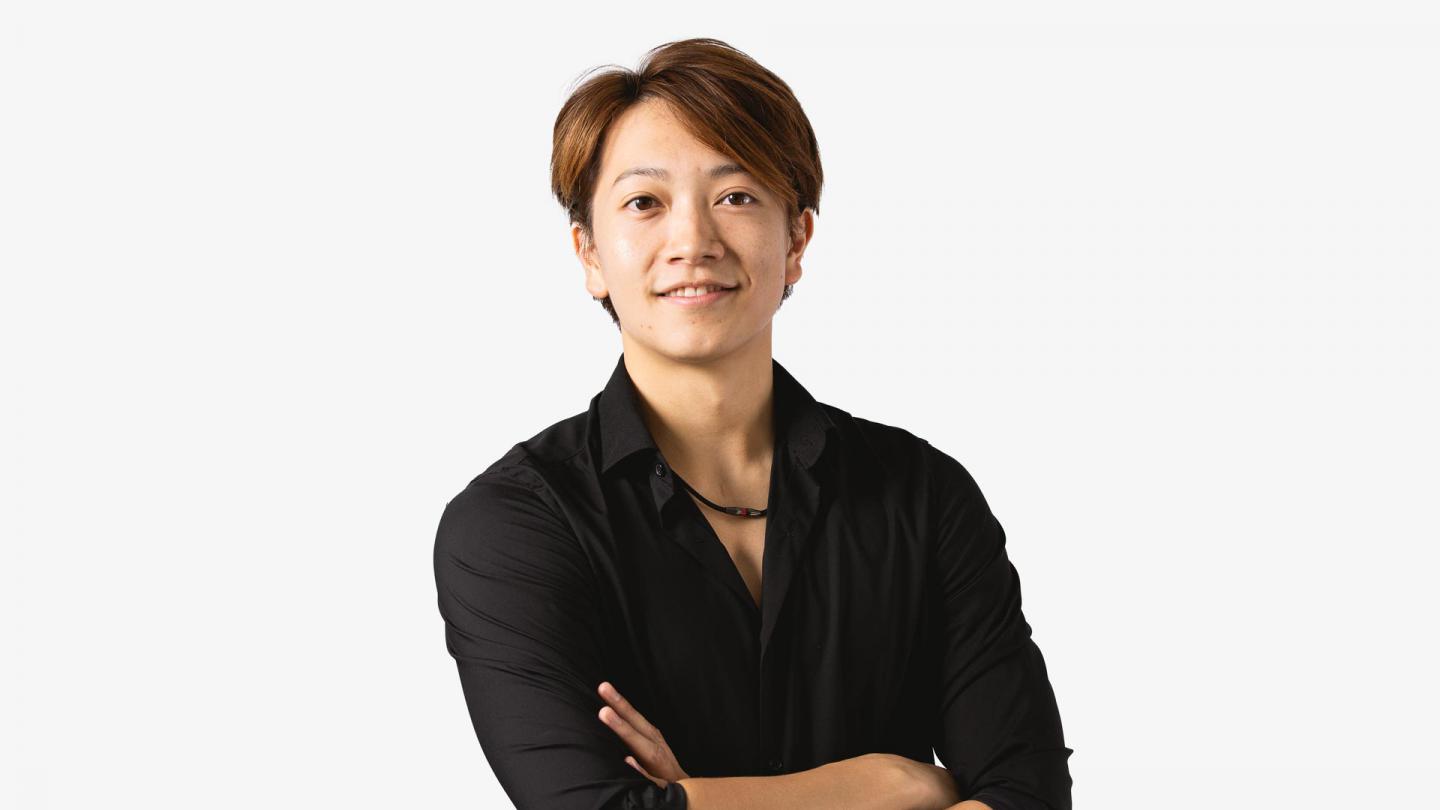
x: 693, y: 236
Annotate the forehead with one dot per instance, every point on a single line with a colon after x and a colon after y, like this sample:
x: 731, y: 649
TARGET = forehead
x: 648, y: 134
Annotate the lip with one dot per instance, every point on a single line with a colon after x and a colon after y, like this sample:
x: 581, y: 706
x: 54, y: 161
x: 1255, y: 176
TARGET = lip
x: 696, y: 301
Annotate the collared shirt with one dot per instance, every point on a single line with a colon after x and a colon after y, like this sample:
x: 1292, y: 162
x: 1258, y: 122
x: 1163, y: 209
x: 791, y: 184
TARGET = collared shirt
x: 889, y: 616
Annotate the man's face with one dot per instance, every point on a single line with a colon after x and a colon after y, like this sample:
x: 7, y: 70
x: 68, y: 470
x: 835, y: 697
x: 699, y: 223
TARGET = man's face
x: 689, y: 220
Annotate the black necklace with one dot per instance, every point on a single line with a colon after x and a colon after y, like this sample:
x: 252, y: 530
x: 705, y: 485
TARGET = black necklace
x: 742, y: 511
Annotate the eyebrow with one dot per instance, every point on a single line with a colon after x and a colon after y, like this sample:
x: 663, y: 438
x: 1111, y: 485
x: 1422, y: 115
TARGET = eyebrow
x: 716, y: 172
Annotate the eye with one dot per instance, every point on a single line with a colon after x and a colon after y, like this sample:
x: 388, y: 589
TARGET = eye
x: 636, y: 199
x: 739, y: 194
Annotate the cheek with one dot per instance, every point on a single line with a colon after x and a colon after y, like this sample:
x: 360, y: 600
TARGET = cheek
x: 625, y: 265
x: 627, y: 252
x: 763, y: 245
x: 624, y: 248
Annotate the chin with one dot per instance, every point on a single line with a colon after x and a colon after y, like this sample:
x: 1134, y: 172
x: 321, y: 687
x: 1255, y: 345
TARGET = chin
x: 689, y: 347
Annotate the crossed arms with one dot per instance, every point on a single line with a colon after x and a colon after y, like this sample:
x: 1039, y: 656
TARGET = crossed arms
x: 879, y: 781
x: 521, y: 614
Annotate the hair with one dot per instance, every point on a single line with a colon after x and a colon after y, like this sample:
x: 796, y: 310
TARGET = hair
x: 726, y: 100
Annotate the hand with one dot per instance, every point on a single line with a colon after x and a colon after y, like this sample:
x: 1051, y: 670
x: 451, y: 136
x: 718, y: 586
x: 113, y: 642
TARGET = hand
x: 655, y: 760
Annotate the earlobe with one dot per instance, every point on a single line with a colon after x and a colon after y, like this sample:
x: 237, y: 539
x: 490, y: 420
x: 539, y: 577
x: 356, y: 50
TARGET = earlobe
x: 585, y: 252
x: 594, y: 279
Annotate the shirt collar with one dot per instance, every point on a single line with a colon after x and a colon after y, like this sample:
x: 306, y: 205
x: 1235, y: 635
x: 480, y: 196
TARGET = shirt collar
x: 800, y: 420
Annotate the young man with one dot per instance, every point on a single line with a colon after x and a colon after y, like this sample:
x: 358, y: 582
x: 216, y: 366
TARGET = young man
x: 807, y: 602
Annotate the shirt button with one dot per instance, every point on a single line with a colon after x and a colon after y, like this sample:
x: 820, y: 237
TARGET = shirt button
x: 660, y: 470
x: 776, y: 766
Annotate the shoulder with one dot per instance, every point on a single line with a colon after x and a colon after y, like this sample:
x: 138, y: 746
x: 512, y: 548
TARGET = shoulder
x: 899, y: 451
x: 506, y: 524
x: 514, y: 498
x: 528, y: 469
x: 906, y: 458
x: 891, y: 446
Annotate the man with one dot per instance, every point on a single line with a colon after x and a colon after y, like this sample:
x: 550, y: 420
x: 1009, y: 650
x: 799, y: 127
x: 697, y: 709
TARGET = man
x: 807, y: 602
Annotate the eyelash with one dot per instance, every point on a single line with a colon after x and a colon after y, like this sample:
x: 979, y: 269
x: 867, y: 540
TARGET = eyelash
x: 648, y: 197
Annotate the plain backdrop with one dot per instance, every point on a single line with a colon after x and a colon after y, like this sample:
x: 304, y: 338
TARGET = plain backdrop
x: 281, y: 277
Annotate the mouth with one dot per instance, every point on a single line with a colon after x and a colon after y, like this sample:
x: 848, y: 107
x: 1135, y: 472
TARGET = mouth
x: 712, y: 296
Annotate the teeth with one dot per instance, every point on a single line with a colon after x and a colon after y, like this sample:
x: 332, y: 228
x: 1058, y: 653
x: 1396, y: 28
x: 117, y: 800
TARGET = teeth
x: 691, y: 292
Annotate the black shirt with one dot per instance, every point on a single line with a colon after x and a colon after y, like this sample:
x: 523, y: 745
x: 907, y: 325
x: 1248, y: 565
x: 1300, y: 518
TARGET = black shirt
x: 889, y: 617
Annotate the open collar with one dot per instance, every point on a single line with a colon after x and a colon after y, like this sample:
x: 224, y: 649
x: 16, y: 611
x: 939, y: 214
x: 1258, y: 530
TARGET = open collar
x: 801, y: 423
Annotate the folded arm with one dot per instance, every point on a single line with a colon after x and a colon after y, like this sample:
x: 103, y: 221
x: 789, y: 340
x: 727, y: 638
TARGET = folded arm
x: 867, y: 782
x: 518, y: 599
x: 998, y: 730
x: 521, y: 621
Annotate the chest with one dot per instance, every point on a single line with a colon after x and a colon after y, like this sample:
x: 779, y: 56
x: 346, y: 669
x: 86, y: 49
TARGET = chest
x: 744, y: 540
x: 842, y: 672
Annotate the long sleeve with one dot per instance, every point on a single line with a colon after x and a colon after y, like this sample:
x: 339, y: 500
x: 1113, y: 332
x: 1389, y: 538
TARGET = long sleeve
x: 519, y: 603
x: 999, y: 730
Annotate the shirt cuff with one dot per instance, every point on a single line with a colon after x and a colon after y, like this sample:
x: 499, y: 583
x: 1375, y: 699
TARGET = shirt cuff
x: 652, y: 797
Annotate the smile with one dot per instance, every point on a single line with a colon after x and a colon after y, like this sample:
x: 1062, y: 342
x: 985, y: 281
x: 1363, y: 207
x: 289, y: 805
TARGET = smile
x: 697, y: 298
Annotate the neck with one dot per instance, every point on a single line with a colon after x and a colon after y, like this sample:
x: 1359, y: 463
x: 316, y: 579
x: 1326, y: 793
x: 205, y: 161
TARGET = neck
x: 712, y: 418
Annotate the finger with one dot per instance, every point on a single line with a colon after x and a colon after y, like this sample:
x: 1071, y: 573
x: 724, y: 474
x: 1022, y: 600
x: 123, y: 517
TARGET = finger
x: 629, y: 712
x: 638, y: 743
x: 641, y: 768
x: 645, y: 749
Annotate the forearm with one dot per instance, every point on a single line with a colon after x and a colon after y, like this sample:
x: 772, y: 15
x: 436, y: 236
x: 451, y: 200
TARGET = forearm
x: 859, y: 783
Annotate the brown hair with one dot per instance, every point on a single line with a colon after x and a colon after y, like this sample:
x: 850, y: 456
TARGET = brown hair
x: 726, y: 99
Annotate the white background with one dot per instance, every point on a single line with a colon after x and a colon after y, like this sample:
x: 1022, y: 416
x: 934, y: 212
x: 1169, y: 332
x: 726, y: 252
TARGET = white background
x: 278, y: 277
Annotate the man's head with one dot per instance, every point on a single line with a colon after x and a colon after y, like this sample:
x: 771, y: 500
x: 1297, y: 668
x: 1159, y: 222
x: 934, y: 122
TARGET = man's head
x: 700, y: 165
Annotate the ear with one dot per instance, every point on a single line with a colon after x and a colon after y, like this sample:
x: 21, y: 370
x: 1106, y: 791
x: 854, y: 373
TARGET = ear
x: 589, y: 261
x: 802, y: 228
